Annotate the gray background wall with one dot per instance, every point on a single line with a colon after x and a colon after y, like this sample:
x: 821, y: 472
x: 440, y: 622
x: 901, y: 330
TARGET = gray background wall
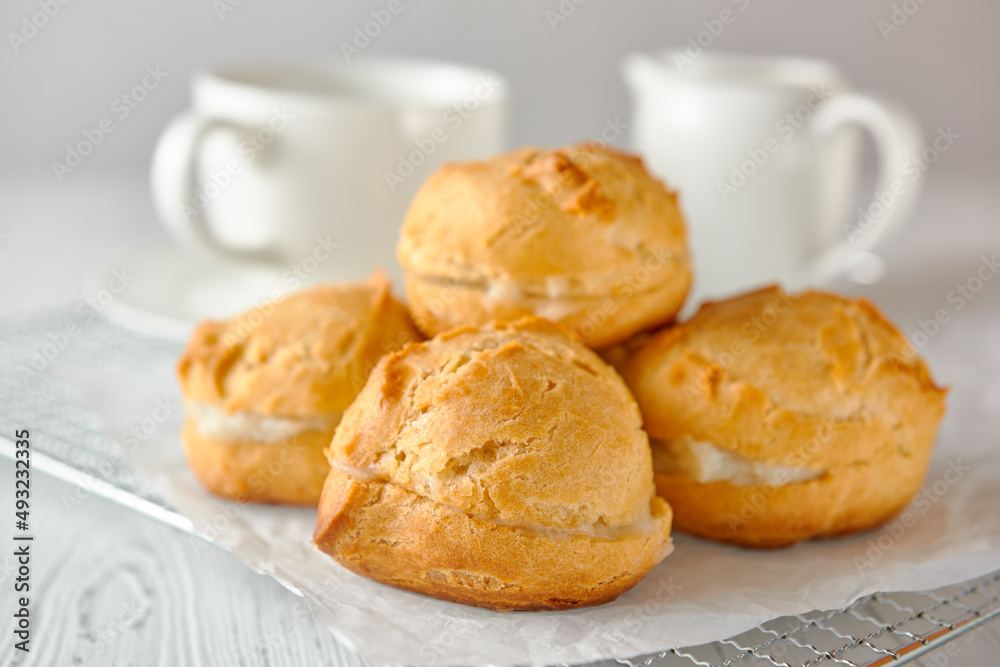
x: 943, y: 62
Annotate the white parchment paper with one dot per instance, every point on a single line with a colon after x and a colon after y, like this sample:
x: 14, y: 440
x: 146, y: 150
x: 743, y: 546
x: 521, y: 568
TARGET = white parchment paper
x: 703, y: 591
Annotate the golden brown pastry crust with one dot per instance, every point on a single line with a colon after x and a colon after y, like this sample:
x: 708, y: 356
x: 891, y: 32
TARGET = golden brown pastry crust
x: 386, y: 533
x: 291, y: 471
x: 845, y: 500
x: 582, y: 235
x: 304, y: 357
x: 814, y: 381
x: 597, y: 322
x: 308, y: 354
x: 509, y: 434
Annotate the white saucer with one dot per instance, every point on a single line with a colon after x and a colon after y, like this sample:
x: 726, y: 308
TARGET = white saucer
x: 169, y: 290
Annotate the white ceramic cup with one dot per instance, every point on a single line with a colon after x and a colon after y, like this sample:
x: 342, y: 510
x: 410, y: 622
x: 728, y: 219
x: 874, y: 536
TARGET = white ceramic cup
x: 311, y: 165
x: 765, y: 153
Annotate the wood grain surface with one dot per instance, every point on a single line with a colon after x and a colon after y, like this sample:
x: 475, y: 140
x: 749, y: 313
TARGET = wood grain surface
x: 113, y: 587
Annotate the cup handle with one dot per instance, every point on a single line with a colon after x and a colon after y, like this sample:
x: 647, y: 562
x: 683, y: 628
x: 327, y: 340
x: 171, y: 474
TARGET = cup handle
x: 173, y: 181
x: 897, y: 136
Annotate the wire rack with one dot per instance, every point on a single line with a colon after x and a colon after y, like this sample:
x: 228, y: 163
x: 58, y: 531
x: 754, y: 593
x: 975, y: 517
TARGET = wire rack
x: 881, y: 629
x: 68, y: 441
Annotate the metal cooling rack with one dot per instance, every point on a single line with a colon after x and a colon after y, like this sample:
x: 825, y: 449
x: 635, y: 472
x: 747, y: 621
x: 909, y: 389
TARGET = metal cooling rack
x: 67, y: 440
x: 881, y: 629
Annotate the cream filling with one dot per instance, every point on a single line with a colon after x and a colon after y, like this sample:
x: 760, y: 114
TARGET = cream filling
x: 502, y: 292
x: 556, y: 309
x: 620, y: 237
x: 705, y: 462
x: 359, y: 474
x: 556, y: 304
x: 557, y: 287
x: 556, y: 294
x: 643, y: 523
x: 220, y: 425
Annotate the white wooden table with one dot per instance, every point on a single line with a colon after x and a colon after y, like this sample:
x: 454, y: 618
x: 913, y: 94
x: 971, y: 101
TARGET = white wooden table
x: 112, y: 587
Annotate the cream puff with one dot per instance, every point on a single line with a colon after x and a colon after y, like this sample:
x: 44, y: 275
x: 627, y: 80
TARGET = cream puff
x: 583, y: 236
x: 503, y: 467
x: 776, y: 418
x: 264, y: 391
